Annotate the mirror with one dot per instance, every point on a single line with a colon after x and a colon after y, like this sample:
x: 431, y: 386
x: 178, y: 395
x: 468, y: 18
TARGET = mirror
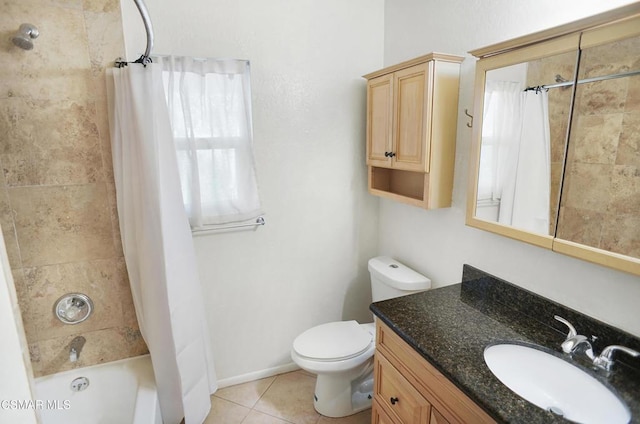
x: 523, y: 142
x: 600, y: 204
x: 557, y: 163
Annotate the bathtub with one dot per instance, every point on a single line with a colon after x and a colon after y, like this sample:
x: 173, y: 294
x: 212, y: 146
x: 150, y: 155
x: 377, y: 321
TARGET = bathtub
x: 120, y: 392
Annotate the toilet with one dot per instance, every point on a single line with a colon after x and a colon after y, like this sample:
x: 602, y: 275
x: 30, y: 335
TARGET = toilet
x: 341, y: 353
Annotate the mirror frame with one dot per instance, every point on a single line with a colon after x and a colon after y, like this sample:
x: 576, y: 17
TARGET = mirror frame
x: 608, y: 26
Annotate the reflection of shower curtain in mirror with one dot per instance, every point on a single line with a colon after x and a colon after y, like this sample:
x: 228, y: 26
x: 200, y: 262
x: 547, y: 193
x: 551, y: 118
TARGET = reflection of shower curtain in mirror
x: 526, y: 189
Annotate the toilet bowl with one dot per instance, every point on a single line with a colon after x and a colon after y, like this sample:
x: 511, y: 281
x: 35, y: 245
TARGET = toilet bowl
x: 341, y: 353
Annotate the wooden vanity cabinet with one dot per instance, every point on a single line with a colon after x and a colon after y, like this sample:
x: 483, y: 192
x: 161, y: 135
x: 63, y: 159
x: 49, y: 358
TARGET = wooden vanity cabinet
x: 411, y: 130
x: 409, y: 390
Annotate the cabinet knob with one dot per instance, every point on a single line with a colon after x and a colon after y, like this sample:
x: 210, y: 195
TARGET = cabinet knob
x: 394, y: 400
x: 389, y: 154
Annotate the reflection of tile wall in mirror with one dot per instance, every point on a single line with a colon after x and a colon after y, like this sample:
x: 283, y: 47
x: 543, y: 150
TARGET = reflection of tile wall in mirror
x: 546, y: 71
x: 601, y: 197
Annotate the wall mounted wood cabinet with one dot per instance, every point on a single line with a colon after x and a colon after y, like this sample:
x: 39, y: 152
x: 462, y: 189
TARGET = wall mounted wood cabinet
x: 556, y: 139
x: 411, y: 130
x: 409, y: 390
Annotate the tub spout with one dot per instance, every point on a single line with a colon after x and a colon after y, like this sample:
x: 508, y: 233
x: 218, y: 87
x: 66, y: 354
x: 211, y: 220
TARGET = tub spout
x: 75, y: 347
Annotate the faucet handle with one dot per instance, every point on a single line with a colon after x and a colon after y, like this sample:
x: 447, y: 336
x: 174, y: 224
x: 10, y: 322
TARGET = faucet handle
x: 572, y: 330
x: 605, y: 359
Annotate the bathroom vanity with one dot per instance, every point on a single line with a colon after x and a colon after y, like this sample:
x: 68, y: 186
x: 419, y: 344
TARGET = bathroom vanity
x: 410, y: 388
x: 429, y: 363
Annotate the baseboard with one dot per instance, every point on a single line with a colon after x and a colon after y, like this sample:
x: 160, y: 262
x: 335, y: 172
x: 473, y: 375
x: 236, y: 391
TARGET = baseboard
x: 257, y: 375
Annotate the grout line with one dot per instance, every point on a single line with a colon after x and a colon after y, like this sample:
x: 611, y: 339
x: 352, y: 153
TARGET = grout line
x: 257, y: 411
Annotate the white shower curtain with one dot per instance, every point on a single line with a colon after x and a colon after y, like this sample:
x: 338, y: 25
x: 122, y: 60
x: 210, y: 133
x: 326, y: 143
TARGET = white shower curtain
x: 526, y: 192
x: 157, y: 243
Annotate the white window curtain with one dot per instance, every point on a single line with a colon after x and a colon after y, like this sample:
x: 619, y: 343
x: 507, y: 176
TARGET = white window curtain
x: 209, y: 104
x: 500, y: 126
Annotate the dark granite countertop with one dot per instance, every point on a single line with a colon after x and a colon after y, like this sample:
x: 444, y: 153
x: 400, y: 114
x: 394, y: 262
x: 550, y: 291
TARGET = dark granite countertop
x: 451, y: 326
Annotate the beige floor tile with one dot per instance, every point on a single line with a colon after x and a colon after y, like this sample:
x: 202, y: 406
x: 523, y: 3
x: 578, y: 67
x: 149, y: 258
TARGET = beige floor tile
x: 290, y: 397
x: 256, y: 417
x: 363, y: 417
x: 225, y: 412
x: 246, y: 394
x: 306, y: 373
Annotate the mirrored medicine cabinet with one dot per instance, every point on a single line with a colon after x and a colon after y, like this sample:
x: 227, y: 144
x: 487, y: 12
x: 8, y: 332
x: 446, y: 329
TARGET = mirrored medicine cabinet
x: 556, y: 139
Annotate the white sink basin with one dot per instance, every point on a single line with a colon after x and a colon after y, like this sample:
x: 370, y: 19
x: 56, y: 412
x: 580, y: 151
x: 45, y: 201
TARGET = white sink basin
x: 554, y: 384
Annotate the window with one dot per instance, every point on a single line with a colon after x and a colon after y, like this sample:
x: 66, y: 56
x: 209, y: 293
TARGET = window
x: 210, y: 110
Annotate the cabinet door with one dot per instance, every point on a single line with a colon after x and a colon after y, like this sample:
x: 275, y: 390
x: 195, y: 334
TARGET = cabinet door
x: 397, y: 395
x: 412, y: 124
x: 380, y: 120
x: 437, y: 418
x: 379, y: 416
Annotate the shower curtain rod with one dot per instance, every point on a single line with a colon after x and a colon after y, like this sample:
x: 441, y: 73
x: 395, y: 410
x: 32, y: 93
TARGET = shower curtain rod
x: 586, y: 80
x: 145, y: 59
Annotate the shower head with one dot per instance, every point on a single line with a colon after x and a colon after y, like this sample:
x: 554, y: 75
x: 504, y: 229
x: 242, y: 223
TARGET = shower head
x: 25, y: 36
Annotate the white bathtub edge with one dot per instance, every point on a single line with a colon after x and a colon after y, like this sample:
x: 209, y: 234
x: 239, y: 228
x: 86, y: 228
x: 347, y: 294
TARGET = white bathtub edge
x: 146, y: 401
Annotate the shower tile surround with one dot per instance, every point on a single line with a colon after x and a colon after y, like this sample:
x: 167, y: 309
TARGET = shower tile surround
x: 57, y: 199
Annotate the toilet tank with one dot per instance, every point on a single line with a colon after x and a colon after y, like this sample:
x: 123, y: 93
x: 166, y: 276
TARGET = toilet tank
x: 390, y: 278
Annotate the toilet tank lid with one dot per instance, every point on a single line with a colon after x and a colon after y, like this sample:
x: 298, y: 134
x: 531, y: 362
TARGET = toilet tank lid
x: 397, y: 275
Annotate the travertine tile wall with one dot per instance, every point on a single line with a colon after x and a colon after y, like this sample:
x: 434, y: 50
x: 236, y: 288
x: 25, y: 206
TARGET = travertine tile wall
x: 601, y: 198
x: 544, y: 72
x: 57, y: 198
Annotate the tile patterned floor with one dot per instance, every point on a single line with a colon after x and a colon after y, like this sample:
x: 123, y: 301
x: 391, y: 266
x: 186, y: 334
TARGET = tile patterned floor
x: 283, y: 399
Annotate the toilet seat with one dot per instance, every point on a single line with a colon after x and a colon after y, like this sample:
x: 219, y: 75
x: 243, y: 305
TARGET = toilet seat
x: 334, y: 341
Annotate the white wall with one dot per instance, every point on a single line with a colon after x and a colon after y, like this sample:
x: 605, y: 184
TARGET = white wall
x: 307, y: 265
x: 437, y: 243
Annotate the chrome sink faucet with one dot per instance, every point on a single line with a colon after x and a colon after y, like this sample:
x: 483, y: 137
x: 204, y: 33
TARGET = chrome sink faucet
x: 575, y: 341
x: 75, y: 347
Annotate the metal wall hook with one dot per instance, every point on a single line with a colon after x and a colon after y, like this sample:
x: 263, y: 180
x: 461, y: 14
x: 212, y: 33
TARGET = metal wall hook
x: 469, y: 124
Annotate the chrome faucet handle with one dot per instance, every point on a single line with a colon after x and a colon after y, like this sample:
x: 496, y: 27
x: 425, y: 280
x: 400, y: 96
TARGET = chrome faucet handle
x: 605, y: 359
x: 73, y: 355
x: 572, y: 330
x: 574, y: 341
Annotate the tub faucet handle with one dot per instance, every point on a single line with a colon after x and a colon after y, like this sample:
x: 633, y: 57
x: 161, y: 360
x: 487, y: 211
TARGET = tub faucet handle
x: 73, y: 355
